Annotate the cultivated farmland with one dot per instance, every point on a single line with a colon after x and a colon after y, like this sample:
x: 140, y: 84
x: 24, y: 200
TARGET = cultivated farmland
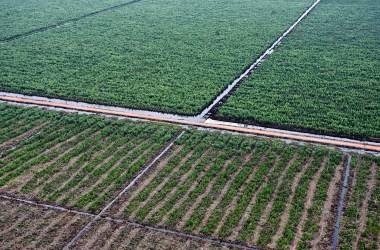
x: 323, y: 78
x: 30, y: 227
x: 360, y: 224
x: 256, y: 192
x: 184, y: 181
x: 241, y: 189
x: 148, y: 55
x: 76, y: 161
x: 18, y: 17
x: 116, y: 235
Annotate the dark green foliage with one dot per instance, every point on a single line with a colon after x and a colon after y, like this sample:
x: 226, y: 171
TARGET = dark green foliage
x: 324, y: 77
x: 166, y: 55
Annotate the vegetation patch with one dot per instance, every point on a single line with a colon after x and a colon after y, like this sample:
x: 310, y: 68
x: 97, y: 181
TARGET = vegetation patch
x: 324, y: 78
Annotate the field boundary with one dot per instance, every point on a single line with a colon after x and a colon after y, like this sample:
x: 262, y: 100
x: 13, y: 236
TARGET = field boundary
x: 65, y: 22
x: 134, y: 224
x: 369, y: 147
x: 219, y: 100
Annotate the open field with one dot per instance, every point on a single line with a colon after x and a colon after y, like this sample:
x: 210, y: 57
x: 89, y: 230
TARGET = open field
x: 77, y: 161
x: 241, y: 189
x: 166, y: 55
x: 227, y: 166
x: 18, y: 17
x: 323, y: 78
x: 29, y: 227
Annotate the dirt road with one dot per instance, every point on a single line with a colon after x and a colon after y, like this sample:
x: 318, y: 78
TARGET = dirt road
x: 312, y: 139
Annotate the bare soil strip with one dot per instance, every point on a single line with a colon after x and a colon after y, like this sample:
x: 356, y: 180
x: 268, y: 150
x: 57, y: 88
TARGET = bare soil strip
x: 91, y: 241
x: 42, y: 227
x: 339, y: 142
x: 308, y: 203
x: 73, y: 223
x: 57, y: 220
x: 54, y: 222
x: 114, y: 236
x: 130, y: 237
x: 364, y: 209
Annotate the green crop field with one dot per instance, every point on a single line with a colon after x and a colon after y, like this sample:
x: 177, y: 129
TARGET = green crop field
x: 245, y: 189
x: 256, y: 192
x: 323, y: 78
x: 18, y: 17
x: 77, y: 161
x: 166, y: 55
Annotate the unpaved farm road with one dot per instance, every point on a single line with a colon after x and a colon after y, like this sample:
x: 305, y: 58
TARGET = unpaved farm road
x: 310, y: 138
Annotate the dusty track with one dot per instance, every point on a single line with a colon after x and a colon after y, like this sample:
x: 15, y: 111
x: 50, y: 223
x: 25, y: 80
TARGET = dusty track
x: 310, y: 138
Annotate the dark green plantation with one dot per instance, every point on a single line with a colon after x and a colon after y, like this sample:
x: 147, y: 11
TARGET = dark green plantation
x: 167, y: 55
x: 18, y: 17
x: 324, y: 78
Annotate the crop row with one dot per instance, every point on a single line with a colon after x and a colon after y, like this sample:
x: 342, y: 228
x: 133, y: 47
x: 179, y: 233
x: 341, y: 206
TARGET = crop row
x: 19, y: 122
x: 80, y: 161
x: 323, y: 78
x: 240, y: 189
x: 255, y: 191
x: 360, y: 222
x: 165, y: 55
x: 33, y: 227
x: 25, y: 226
x: 113, y: 235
